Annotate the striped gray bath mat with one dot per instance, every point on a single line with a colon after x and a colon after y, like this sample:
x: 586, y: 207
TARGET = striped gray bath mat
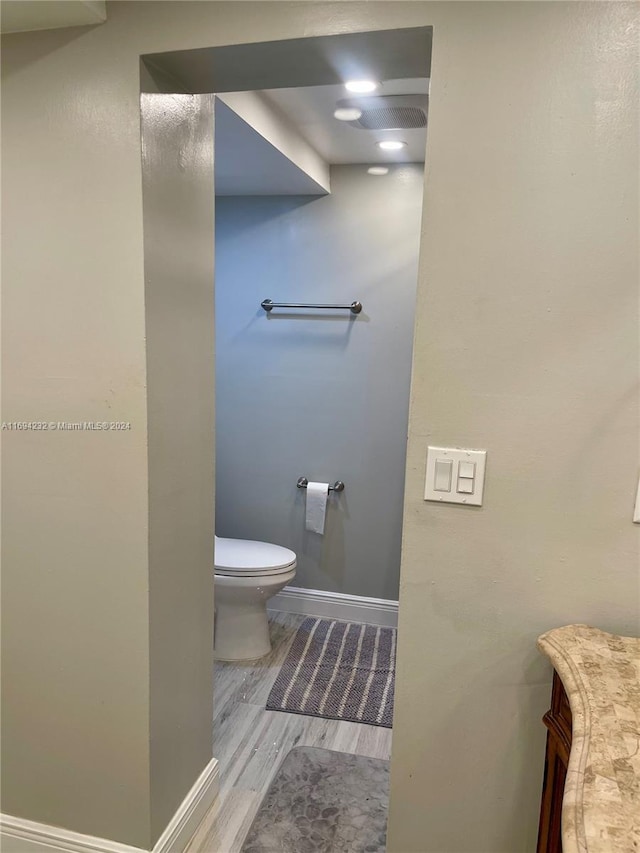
x: 338, y: 670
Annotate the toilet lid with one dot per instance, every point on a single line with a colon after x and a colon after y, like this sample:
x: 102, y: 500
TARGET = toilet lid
x: 246, y: 557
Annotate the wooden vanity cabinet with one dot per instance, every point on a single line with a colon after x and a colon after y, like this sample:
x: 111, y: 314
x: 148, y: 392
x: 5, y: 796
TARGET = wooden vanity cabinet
x: 558, y: 723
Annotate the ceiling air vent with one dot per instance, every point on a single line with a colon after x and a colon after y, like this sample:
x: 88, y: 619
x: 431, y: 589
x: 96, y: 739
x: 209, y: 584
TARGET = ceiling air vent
x: 392, y: 118
x: 389, y: 112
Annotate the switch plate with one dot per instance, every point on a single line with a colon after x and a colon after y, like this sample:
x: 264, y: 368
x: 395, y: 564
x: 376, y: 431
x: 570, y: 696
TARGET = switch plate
x: 466, y: 489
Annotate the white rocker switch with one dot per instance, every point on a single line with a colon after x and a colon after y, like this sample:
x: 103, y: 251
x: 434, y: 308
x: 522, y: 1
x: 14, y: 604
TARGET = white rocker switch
x: 442, y: 475
x: 466, y: 477
x: 455, y: 475
x: 466, y: 470
x: 465, y: 485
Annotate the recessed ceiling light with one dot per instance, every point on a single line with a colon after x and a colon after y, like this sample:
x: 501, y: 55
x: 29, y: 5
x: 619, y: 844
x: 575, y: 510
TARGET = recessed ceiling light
x: 347, y: 113
x: 361, y: 86
x: 378, y: 170
x: 391, y: 145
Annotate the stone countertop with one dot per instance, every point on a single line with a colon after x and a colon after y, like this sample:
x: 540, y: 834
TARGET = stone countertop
x: 601, y: 677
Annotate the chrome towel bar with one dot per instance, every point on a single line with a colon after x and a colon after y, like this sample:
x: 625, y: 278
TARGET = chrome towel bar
x: 269, y: 305
x: 338, y: 486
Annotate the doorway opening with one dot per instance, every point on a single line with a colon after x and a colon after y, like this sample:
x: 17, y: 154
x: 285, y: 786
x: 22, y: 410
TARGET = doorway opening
x: 319, y: 157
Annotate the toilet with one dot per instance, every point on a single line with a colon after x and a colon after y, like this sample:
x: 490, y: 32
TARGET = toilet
x: 246, y: 575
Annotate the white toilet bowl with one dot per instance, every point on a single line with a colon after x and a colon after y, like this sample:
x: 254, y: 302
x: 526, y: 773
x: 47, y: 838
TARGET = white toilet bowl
x: 247, y: 574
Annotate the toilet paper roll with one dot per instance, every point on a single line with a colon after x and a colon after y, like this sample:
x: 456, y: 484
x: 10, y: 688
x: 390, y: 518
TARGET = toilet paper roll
x: 317, y: 494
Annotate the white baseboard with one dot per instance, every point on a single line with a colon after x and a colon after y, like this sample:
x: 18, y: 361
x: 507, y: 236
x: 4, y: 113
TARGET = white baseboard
x: 193, y: 808
x: 26, y: 836
x: 336, y: 605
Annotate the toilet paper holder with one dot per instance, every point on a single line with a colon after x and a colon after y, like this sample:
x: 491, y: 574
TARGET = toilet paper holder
x: 338, y: 486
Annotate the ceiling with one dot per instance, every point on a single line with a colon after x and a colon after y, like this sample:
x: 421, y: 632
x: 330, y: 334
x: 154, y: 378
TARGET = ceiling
x: 300, y: 80
x: 310, y: 110
x: 17, y: 16
x: 249, y: 163
x: 314, y: 61
x: 246, y: 163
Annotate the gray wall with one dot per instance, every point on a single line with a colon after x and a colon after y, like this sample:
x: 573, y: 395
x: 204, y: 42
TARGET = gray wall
x: 531, y: 247
x: 318, y: 394
x: 107, y: 604
x: 178, y: 221
x: 527, y: 340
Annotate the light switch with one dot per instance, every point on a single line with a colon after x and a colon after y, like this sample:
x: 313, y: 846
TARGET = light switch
x: 455, y: 476
x: 466, y: 469
x: 442, y: 475
x: 466, y: 475
x: 465, y: 485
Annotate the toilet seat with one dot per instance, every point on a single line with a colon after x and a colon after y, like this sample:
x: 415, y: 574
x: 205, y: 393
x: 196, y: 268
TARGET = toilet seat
x: 247, y: 558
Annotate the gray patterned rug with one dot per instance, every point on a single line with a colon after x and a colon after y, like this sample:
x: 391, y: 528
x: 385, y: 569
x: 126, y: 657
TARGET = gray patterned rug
x: 322, y: 801
x: 338, y: 670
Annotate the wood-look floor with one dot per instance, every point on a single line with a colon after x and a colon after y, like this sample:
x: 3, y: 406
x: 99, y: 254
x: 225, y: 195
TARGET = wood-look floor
x: 250, y: 742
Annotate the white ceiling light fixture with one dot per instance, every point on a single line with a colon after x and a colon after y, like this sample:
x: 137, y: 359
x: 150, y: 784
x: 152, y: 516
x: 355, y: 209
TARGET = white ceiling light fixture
x: 391, y: 145
x: 361, y: 87
x: 347, y: 113
x: 378, y: 170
